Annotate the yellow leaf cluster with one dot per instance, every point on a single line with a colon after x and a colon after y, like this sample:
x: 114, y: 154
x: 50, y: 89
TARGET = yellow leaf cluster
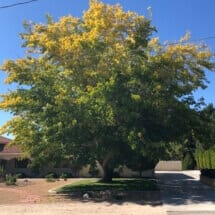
x: 10, y: 102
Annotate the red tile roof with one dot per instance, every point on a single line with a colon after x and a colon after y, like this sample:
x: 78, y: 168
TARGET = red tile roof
x: 7, y: 149
x: 4, y: 140
x: 10, y: 150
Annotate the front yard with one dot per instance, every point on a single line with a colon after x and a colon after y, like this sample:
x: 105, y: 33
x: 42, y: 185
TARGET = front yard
x: 31, y: 191
x: 37, y: 190
x: 32, y: 197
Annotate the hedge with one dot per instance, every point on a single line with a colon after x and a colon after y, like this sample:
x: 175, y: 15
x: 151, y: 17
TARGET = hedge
x: 205, y: 159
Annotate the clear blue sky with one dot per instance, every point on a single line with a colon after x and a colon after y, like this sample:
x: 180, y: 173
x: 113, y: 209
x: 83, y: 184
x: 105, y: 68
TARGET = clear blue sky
x: 171, y: 17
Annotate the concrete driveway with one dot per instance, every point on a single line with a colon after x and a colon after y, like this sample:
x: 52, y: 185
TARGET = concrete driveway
x: 183, y: 194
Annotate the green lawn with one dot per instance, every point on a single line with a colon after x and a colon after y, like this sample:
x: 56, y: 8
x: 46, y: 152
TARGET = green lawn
x: 117, y: 185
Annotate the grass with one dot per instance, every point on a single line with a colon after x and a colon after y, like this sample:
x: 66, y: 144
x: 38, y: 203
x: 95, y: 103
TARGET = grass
x: 116, y: 185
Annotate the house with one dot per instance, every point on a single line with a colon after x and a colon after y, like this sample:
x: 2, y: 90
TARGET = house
x: 11, y: 158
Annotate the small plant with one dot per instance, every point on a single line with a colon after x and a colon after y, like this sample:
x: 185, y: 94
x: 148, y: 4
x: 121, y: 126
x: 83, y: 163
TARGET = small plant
x: 20, y: 175
x: 50, y: 177
x: 10, y: 179
x: 2, y: 173
x: 64, y: 176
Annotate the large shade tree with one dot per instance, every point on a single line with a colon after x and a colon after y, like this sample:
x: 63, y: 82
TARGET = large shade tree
x: 100, y: 87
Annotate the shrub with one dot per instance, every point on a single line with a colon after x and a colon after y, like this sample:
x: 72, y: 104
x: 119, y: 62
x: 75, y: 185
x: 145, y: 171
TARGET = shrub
x: 64, y: 176
x: 188, y: 162
x: 20, y: 175
x: 2, y: 174
x: 50, y: 177
x: 10, y: 179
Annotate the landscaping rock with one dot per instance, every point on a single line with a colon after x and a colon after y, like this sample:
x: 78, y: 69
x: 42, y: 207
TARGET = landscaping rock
x: 86, y: 196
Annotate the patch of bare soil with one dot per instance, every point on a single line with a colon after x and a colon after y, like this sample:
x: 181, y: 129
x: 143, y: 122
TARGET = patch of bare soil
x: 31, y: 191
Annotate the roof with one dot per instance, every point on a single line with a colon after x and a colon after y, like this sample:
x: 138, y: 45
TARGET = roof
x: 7, y: 149
x: 10, y: 150
x: 4, y: 140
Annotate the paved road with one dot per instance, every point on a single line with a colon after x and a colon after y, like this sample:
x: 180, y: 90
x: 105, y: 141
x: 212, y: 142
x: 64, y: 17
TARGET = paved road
x: 183, y: 194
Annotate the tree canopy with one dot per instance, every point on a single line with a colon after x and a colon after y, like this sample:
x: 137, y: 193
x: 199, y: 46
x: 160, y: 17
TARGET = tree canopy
x: 101, y: 87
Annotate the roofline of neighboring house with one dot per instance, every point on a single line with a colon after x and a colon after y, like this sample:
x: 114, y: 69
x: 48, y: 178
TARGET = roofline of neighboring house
x: 5, y: 140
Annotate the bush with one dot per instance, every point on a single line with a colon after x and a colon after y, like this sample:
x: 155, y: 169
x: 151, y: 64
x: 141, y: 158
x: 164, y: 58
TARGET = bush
x: 188, y: 162
x: 2, y: 173
x: 50, y: 177
x: 10, y: 179
x: 21, y: 175
x: 64, y: 176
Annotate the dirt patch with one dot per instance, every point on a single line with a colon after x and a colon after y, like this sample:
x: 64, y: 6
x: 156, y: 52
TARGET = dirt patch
x: 31, y: 191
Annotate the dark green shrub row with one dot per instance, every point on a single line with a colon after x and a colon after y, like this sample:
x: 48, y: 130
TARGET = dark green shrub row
x: 205, y: 159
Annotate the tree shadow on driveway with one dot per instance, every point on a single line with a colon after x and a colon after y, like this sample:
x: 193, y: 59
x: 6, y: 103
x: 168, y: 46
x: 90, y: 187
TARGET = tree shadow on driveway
x: 182, y: 189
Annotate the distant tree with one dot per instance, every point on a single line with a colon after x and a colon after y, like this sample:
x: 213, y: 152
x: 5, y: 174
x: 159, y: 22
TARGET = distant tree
x: 101, y: 87
x: 205, y: 131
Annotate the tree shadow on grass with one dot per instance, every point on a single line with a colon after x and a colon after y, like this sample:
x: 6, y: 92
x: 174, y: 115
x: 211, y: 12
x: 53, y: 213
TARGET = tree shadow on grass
x: 181, y: 189
x: 120, y: 191
x: 151, y: 198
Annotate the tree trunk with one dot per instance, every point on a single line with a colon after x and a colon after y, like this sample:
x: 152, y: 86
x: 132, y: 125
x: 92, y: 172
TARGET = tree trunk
x: 108, y: 174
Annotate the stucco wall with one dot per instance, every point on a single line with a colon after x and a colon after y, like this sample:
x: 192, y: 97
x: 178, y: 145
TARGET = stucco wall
x: 169, y: 166
x: 123, y: 172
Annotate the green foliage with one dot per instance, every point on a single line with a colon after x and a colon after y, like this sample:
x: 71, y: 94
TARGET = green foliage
x: 205, y: 128
x: 2, y: 173
x: 64, y: 176
x: 50, y: 177
x: 21, y: 175
x: 205, y: 158
x: 10, y: 179
x: 188, y: 162
x: 172, y: 151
